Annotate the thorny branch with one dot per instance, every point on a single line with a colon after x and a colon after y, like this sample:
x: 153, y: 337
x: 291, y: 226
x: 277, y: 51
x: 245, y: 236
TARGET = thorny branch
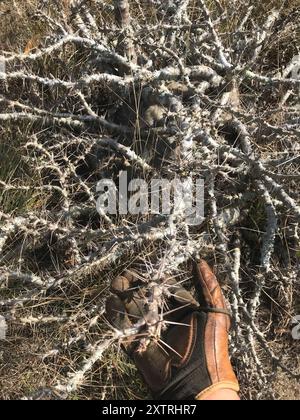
x: 163, y: 89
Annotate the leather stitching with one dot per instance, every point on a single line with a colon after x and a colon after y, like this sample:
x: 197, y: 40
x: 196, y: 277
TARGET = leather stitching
x: 190, y: 344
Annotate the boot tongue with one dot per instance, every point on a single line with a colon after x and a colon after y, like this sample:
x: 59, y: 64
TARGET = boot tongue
x: 154, y: 365
x: 156, y: 362
x: 181, y: 339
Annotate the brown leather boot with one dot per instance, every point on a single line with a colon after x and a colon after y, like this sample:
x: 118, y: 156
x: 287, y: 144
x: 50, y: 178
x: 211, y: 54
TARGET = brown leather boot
x: 191, y: 360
